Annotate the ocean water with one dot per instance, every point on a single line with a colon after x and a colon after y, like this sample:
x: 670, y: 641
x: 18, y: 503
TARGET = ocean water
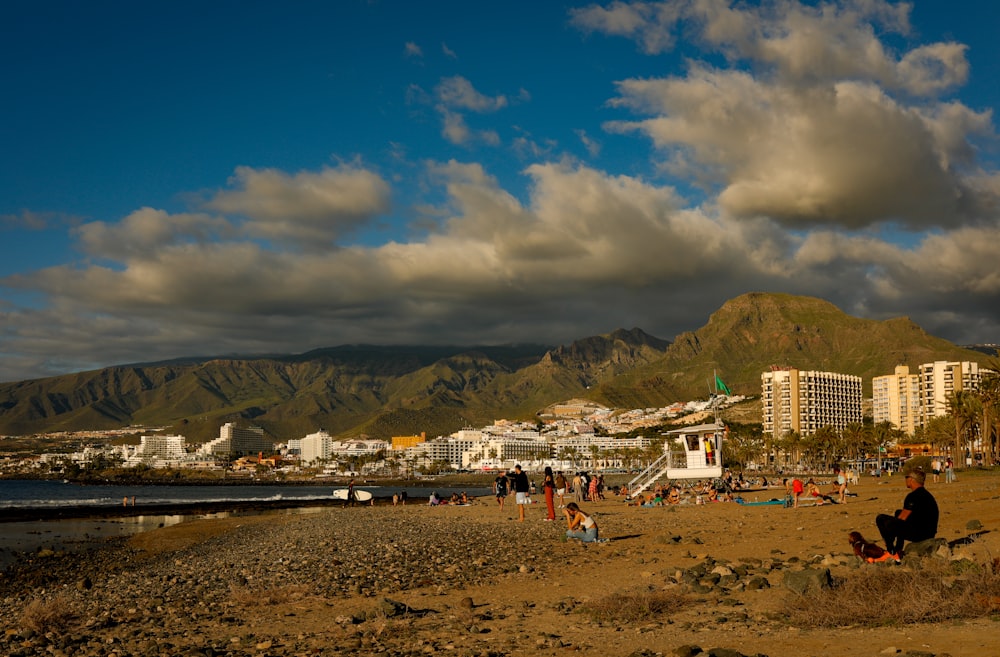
x: 19, y: 538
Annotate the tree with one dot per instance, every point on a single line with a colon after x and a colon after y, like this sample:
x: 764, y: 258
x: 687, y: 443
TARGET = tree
x: 989, y: 426
x: 963, y: 407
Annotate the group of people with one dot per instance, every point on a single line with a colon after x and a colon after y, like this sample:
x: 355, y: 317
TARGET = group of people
x: 554, y: 486
x: 795, y: 489
x: 916, y: 521
x: 580, y: 525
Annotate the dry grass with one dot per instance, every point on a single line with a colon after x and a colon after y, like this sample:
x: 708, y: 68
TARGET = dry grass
x: 282, y: 595
x: 876, y: 596
x: 633, y: 606
x: 55, y: 614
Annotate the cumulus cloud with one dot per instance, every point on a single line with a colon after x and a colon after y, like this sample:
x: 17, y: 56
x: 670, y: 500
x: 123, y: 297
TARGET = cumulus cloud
x: 147, y: 230
x: 649, y: 23
x: 308, y: 209
x: 458, y: 92
x: 813, y: 133
x: 809, y: 140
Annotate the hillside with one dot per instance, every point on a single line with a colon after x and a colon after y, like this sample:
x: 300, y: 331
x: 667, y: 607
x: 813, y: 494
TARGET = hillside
x: 394, y: 390
x: 754, y: 331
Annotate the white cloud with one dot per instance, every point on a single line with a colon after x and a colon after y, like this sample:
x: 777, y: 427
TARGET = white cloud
x: 845, y: 153
x: 648, y: 23
x: 810, y: 144
x: 147, y: 230
x: 411, y: 49
x: 458, y: 92
x: 309, y: 209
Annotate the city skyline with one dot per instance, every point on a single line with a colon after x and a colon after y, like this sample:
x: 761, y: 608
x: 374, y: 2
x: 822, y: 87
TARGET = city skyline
x: 241, y: 177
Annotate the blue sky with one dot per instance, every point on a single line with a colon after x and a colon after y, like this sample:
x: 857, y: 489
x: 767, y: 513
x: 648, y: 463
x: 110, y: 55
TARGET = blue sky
x: 254, y: 177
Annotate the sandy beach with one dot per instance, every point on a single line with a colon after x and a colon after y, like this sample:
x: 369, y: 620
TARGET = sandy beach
x: 471, y: 580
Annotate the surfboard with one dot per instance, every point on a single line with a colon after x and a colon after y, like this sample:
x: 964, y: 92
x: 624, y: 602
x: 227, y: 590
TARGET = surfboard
x: 359, y: 495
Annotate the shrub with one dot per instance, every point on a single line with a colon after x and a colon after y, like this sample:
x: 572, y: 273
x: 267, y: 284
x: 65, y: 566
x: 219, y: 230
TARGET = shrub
x: 881, y: 594
x: 53, y: 615
x: 246, y: 597
x: 634, y: 606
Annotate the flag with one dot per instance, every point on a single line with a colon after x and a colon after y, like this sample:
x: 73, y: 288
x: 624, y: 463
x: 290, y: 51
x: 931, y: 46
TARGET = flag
x: 719, y: 385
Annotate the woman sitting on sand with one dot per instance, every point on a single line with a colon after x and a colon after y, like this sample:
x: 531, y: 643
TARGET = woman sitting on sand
x: 579, y: 524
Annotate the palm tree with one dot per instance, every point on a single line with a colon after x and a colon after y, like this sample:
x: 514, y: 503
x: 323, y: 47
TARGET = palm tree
x: 964, y: 411
x: 595, y: 452
x: 989, y: 399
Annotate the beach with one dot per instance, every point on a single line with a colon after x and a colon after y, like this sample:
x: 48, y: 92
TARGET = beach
x: 471, y: 580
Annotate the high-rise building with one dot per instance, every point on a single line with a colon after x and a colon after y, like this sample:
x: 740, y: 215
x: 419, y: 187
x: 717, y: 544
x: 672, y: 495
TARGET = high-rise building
x: 896, y: 399
x: 804, y: 401
x: 939, y: 380
x: 237, y: 441
x: 159, y: 448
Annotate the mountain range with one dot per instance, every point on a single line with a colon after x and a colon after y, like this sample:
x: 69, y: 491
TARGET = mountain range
x: 383, y: 391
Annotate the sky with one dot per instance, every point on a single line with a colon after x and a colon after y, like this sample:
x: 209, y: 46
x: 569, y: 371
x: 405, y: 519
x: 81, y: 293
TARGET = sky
x: 204, y: 179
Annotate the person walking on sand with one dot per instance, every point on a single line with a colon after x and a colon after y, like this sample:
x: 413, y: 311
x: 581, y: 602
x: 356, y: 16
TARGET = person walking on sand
x: 578, y: 487
x: 916, y: 521
x: 549, y: 488
x: 522, y: 490
x: 579, y: 525
x: 350, y: 494
x: 561, y: 488
x: 500, y: 489
x: 840, y: 485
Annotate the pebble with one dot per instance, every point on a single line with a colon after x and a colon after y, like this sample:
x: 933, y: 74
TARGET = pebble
x: 175, y: 603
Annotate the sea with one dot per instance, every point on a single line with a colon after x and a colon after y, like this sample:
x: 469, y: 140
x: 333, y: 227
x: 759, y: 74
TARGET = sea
x: 20, y: 538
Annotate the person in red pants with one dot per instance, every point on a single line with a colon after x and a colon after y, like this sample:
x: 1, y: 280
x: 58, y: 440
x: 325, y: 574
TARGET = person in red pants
x: 549, y: 487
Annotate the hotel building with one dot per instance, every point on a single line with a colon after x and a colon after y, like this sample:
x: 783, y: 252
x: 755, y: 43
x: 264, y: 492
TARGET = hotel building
x: 896, y: 399
x: 804, y: 401
x: 237, y: 441
x: 938, y: 380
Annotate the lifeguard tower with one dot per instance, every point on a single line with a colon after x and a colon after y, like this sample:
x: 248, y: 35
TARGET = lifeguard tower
x: 689, y: 453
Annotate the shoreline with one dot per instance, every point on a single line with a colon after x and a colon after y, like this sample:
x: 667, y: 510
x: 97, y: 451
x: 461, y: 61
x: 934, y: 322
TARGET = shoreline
x: 172, y: 509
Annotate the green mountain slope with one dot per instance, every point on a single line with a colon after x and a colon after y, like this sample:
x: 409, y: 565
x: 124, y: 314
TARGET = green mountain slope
x: 750, y: 333
x: 385, y: 391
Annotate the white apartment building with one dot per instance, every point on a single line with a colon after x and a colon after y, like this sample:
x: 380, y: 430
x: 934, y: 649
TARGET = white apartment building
x: 237, y: 441
x: 938, y: 380
x: 803, y: 401
x: 314, y: 447
x: 896, y: 399
x: 163, y: 448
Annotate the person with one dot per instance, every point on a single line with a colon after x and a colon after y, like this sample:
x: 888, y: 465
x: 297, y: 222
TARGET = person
x: 674, y: 496
x: 916, y: 521
x: 577, y: 487
x: 561, y: 488
x: 350, y: 494
x: 522, y: 490
x: 434, y: 500
x: 500, y: 489
x: 816, y: 494
x: 579, y: 524
x: 797, y: 490
x: 936, y: 469
x: 593, y: 489
x: 841, y: 485
x: 549, y: 487
x: 949, y: 471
